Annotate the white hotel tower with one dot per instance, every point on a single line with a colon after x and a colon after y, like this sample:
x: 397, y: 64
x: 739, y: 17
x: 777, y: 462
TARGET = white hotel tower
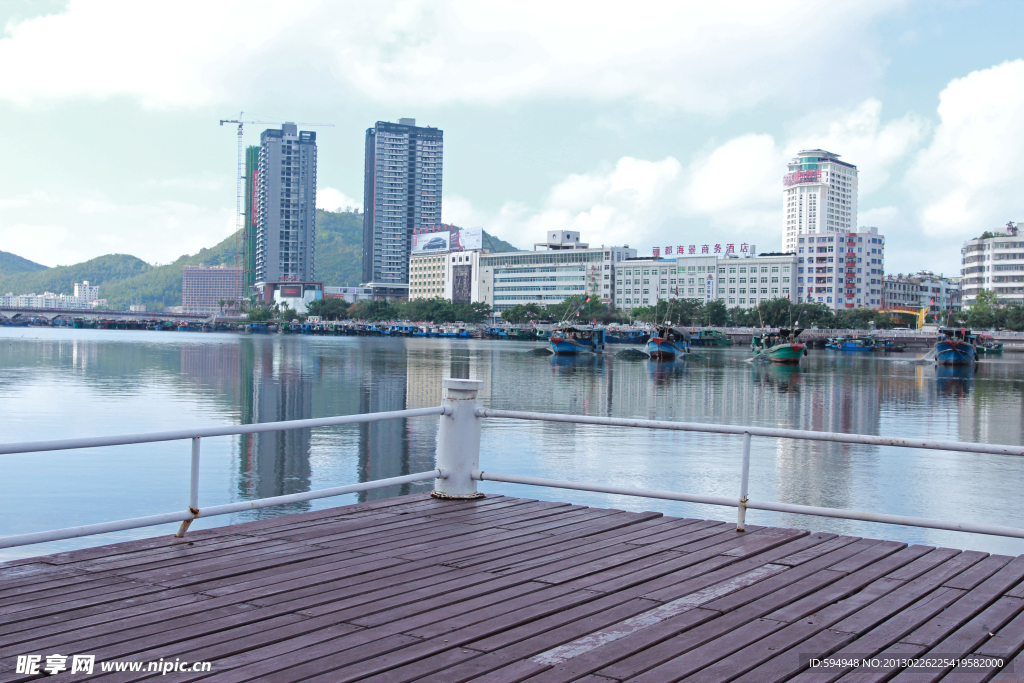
x: 819, y: 195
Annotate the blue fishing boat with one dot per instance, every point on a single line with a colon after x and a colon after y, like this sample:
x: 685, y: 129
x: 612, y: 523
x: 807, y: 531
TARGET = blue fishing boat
x: 666, y: 343
x: 858, y: 344
x: 956, y: 347
x: 569, y: 341
x: 623, y: 336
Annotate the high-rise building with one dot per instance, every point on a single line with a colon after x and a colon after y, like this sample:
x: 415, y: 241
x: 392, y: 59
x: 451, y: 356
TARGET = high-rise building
x: 819, y: 195
x: 251, y: 227
x: 401, y: 192
x: 203, y: 288
x: 286, y: 205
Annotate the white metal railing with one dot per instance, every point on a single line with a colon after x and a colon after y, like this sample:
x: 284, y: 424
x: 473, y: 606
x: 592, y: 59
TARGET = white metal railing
x: 457, y: 471
x: 194, y: 511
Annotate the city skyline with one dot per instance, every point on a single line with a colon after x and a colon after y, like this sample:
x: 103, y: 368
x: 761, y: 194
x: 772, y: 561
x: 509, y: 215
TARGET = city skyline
x: 686, y: 142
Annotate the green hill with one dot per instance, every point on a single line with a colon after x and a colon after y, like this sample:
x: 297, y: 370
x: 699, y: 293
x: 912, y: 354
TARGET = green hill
x: 125, y: 279
x: 12, y: 263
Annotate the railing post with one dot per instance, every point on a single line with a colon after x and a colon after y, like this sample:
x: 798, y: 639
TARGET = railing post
x: 193, y: 491
x: 458, y: 440
x: 741, y: 511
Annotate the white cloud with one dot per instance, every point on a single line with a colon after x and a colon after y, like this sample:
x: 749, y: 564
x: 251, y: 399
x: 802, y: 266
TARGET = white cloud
x: 698, y: 56
x: 330, y: 199
x: 731, y: 192
x: 861, y: 138
x: 969, y: 178
x: 81, y: 228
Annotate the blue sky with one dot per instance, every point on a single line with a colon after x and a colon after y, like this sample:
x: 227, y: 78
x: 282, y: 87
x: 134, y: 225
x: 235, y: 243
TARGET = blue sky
x: 639, y: 123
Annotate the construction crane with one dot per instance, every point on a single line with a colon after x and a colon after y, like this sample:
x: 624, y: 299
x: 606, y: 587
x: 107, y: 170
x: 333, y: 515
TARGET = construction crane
x: 240, y: 227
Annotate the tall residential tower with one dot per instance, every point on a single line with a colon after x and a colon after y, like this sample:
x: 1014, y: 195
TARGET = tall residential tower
x: 819, y: 195
x: 285, y: 205
x: 401, y: 192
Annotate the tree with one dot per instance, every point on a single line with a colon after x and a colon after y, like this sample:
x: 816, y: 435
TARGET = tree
x: 260, y: 314
x: 985, y: 312
x: 521, y: 313
x: 372, y: 309
x: 329, y: 309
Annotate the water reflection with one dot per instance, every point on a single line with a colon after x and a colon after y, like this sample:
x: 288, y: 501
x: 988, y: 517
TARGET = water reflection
x: 85, y: 382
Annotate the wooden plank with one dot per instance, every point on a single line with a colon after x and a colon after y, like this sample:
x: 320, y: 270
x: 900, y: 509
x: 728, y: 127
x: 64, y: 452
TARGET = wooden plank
x: 973, y: 602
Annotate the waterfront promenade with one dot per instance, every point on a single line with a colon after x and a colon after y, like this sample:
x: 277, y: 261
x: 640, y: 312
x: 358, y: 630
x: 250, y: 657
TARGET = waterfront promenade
x: 506, y: 589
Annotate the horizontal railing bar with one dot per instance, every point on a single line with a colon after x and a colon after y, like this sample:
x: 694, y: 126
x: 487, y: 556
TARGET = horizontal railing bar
x: 990, y: 529
x: 963, y: 446
x: 602, y: 488
x: 125, y: 439
x: 881, y: 518
x: 154, y: 520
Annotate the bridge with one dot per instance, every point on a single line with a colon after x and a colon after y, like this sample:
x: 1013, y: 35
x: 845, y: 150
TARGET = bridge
x: 51, y: 314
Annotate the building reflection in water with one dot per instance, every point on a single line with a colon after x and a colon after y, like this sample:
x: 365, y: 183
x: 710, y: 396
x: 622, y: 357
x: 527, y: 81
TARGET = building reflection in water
x: 278, y: 387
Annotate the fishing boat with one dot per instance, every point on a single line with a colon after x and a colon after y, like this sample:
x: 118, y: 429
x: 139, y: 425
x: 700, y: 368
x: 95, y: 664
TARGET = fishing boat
x: 710, y: 338
x: 988, y: 344
x: 783, y: 346
x: 858, y: 344
x: 521, y: 334
x: 892, y: 345
x: 956, y: 347
x: 834, y: 342
x: 626, y: 336
x: 666, y: 343
x: 570, y: 341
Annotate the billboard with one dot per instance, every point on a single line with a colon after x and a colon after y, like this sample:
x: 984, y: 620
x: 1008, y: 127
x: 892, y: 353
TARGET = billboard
x: 426, y: 243
x: 472, y: 238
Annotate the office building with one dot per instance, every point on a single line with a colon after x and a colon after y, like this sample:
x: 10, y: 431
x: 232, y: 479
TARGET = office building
x: 994, y: 261
x: 204, y: 287
x: 402, y: 182
x: 924, y: 289
x: 819, y: 195
x: 285, y: 186
x: 841, y: 270
x: 556, y: 270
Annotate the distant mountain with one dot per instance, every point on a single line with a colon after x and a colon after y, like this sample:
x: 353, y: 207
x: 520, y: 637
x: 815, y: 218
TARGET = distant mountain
x: 12, y: 263
x: 124, y: 279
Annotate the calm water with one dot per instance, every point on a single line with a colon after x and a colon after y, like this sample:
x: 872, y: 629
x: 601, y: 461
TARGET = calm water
x: 75, y: 383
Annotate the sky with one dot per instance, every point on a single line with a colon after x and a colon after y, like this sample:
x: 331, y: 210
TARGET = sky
x: 642, y: 123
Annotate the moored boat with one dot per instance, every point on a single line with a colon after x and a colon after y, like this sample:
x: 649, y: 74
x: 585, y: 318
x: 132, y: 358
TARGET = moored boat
x: 988, y: 344
x: 666, y: 343
x: 710, y: 338
x: 569, y: 341
x: 783, y: 346
x: 858, y: 344
x: 956, y: 347
x: 626, y: 336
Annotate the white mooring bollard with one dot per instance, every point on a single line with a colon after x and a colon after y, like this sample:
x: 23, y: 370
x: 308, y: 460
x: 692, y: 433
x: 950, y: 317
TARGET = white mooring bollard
x: 458, y: 440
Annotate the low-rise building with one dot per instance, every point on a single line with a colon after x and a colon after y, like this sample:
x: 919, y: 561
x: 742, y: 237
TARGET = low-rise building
x: 747, y: 282
x: 841, y: 270
x: 737, y: 280
x: 565, y: 267
x: 290, y: 294
x: 47, y: 300
x: 203, y: 288
x: 86, y: 293
x: 994, y: 261
x: 922, y: 289
x: 349, y: 294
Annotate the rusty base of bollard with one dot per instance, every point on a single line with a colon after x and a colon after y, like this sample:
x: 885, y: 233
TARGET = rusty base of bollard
x: 448, y: 496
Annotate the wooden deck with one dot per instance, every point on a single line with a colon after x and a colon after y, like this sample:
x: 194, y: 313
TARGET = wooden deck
x: 506, y: 589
